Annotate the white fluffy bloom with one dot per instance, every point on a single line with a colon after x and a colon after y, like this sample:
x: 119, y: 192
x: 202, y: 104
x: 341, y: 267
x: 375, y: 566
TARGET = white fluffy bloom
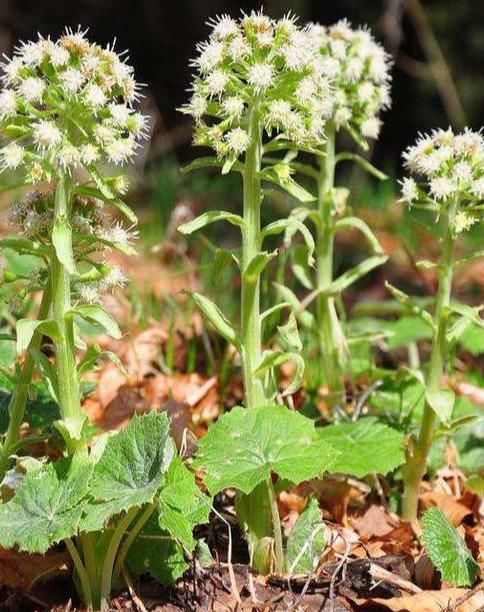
x: 370, y: 128
x: 306, y: 89
x: 238, y: 49
x: 342, y: 116
x: 12, y: 155
x: 11, y: 70
x: 89, y: 154
x: 59, y: 56
x: 216, y: 82
x: 409, y: 190
x: 477, y: 188
x: 32, y: 53
x: 237, y: 140
x: 115, y: 278
x: 120, y: 114
x: 211, y: 55
x: 32, y: 89
x: 233, y: 106
x: 442, y: 187
x: 463, y: 221
x: 72, y: 80
x: 223, y: 27
x: 463, y: 171
x: 118, y: 234
x: 89, y: 293
x: 46, y: 134
x: 366, y: 91
x: 120, y: 150
x: 197, y: 106
x: 260, y: 76
x: 68, y: 156
x: 8, y: 103
x: 94, y: 96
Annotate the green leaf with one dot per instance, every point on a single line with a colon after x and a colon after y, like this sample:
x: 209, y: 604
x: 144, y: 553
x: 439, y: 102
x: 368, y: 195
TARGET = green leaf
x: 364, y: 163
x: 468, y: 312
x: 47, y: 506
x: 155, y: 552
x: 406, y: 330
x: 131, y: 468
x: 306, y: 318
x: 411, y: 305
x: 256, y: 266
x: 280, y: 176
x: 182, y: 504
x: 49, y: 372
x: 447, y: 549
x: 366, y: 446
x: 442, y: 402
x: 209, y: 217
x: 289, y: 334
x: 23, y: 245
x: 273, y: 359
x: 105, y: 193
x: 472, y: 340
x: 62, y: 241
x: 93, y: 313
x: 221, y: 261
x: 306, y: 540
x: 360, y: 225
x: 245, y: 445
x: 300, y: 265
x: 216, y: 318
x: 353, y: 274
x: 209, y: 162
x: 290, y: 226
x: 26, y: 328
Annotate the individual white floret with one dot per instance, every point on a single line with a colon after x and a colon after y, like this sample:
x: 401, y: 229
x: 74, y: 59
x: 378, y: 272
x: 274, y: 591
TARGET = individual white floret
x: 72, y: 80
x: 94, y: 96
x: 8, y: 103
x: 11, y: 71
x: 68, y: 156
x: 237, y: 140
x: 32, y: 53
x: 32, y: 89
x: 442, y: 187
x: 89, y: 154
x: 233, y: 107
x: 120, y: 114
x: 260, y: 76
x: 463, y: 171
x: 223, y: 27
x: 463, y: 221
x: 12, y: 155
x: 409, y: 190
x: 118, y: 234
x: 217, y: 82
x: 89, y: 293
x: 59, y: 56
x: 120, y: 150
x: 477, y: 188
x: 238, y: 49
x: 370, y: 128
x: 211, y: 55
x: 46, y: 134
x: 114, y: 279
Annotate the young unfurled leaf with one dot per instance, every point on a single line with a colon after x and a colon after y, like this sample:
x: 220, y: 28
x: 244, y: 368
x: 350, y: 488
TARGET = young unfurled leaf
x: 306, y: 318
x: 366, y: 446
x: 289, y: 334
x: 280, y: 176
x: 216, y: 318
x: 442, y: 402
x: 182, y: 504
x: 27, y: 327
x: 245, y: 445
x: 290, y: 226
x: 209, y: 162
x: 47, y: 506
x: 92, y: 313
x: 447, y: 549
x: 131, y: 468
x: 48, y: 370
x: 353, y: 274
x: 256, y: 266
x: 62, y: 241
x: 155, y: 552
x: 209, y: 217
x: 272, y: 359
x: 359, y: 224
x: 306, y: 540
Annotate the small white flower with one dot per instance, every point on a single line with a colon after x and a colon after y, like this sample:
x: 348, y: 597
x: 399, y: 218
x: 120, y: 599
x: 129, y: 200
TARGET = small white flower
x: 216, y: 82
x: 238, y: 49
x: 104, y: 134
x: 463, y: 171
x: 370, y: 128
x: 409, y: 190
x: 32, y: 89
x: 233, y: 107
x: 306, y: 89
x: 442, y: 187
x: 338, y: 48
x: 113, y: 279
x: 120, y: 150
x: 366, y: 91
x: 298, y: 54
x: 11, y: 70
x: 12, y: 155
x: 8, y: 103
x: 223, y: 27
x: 261, y: 76
x: 68, y: 156
x: 342, y: 116
x: 46, y: 134
x: 59, y: 56
x: 211, y: 55
x: 118, y: 234
x: 32, y: 53
x: 72, y: 79
x: 354, y: 69
x: 119, y: 113
x: 89, y: 154
x: 121, y: 184
x: 430, y: 164
x: 463, y: 221
x: 89, y: 293
x: 94, y: 96
x: 197, y: 106
x: 237, y: 140
x: 90, y: 63
x: 477, y: 188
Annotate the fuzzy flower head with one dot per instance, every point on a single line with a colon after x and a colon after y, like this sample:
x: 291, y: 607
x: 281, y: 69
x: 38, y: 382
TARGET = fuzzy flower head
x: 67, y: 103
x: 360, y: 69
x: 257, y: 64
x: 446, y: 166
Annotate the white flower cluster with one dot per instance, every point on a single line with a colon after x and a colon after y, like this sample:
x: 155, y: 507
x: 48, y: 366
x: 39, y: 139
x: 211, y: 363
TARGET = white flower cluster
x: 446, y: 166
x: 360, y: 70
x: 65, y: 104
x: 259, y: 63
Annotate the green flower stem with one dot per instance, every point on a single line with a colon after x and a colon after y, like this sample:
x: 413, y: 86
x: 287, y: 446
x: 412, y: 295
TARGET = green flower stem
x: 327, y: 317
x: 69, y: 397
x: 18, y: 401
x: 276, y: 521
x: 251, y: 242
x: 110, y: 557
x: 84, y: 581
x: 417, y: 455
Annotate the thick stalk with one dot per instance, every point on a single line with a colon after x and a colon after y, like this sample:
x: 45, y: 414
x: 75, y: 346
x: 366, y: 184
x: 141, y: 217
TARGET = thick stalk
x: 18, y: 401
x: 69, y: 398
x: 82, y: 575
x: 328, y: 324
x: 417, y: 455
x: 130, y: 538
x: 251, y: 241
